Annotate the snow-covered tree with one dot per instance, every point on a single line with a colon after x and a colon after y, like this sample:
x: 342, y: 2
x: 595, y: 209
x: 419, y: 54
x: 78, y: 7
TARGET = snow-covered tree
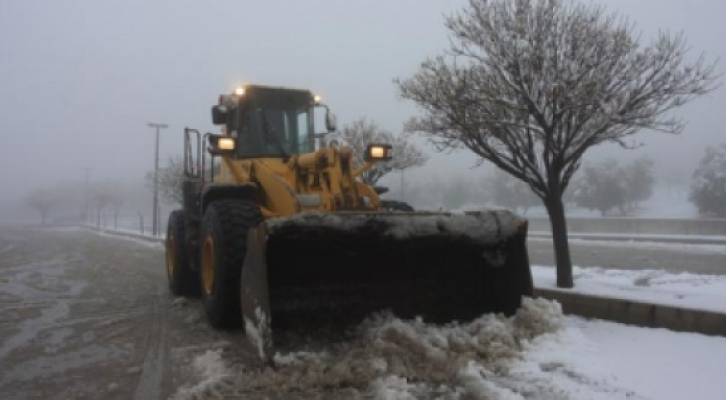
x: 170, y: 178
x: 600, y: 187
x: 707, y: 191
x: 531, y: 85
x: 609, y: 186
x: 361, y: 132
x: 639, y: 181
x: 506, y: 191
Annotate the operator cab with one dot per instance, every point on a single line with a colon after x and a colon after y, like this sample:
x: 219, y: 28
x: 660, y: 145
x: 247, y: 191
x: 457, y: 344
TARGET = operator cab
x: 268, y: 121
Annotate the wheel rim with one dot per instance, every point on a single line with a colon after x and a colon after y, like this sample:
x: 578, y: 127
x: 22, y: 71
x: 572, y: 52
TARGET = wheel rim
x: 171, y: 256
x: 208, y: 265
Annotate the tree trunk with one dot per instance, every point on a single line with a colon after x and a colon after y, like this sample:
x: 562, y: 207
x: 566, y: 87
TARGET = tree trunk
x: 555, y: 208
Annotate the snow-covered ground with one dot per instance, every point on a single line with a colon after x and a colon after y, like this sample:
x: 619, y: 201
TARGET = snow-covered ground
x: 537, y: 354
x: 691, y: 248
x: 89, y: 316
x: 645, y: 237
x: 703, y: 292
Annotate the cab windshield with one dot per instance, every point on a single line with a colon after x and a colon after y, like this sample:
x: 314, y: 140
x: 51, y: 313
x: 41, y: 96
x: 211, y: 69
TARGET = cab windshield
x: 277, y: 132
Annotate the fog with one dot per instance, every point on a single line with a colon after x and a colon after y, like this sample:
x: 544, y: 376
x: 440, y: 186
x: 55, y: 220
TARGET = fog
x: 80, y: 80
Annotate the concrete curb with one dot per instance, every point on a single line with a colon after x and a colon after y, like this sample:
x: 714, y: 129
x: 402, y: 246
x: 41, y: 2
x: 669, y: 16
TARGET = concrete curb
x: 638, y: 313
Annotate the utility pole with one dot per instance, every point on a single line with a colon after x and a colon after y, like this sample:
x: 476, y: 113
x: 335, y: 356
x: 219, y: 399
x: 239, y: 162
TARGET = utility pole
x: 155, y: 210
x: 401, y: 184
x: 87, y: 173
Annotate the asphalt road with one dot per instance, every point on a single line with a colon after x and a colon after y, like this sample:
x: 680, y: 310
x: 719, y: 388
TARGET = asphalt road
x: 84, y: 316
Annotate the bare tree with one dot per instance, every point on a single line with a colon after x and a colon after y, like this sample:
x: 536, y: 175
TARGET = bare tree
x: 117, y: 201
x: 362, y: 132
x: 170, y: 181
x: 707, y: 191
x: 41, y: 200
x: 101, y: 196
x: 531, y: 85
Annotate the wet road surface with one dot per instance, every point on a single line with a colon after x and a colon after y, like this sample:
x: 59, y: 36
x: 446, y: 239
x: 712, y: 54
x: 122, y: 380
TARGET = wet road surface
x: 84, y: 316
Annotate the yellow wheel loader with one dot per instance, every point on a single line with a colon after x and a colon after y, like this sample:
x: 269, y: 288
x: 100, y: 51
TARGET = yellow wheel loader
x: 279, y: 232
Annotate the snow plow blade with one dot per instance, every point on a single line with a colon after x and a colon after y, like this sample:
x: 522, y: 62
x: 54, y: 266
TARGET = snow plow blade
x: 317, y: 269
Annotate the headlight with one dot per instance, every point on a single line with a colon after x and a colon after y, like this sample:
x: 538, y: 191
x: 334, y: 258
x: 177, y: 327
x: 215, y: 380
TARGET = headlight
x: 226, y: 143
x: 376, y: 152
x: 239, y: 91
x: 379, y: 152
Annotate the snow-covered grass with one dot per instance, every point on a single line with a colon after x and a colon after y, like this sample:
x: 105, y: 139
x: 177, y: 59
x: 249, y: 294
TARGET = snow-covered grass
x: 537, y: 354
x: 594, y: 359
x: 656, y: 245
x: 653, y: 237
x: 703, y: 292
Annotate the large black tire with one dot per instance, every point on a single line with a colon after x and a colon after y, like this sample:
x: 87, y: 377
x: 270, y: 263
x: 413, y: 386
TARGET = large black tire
x: 183, y: 281
x: 223, y: 239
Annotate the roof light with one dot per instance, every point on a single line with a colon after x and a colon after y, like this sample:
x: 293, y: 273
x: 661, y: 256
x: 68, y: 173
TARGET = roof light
x: 316, y: 99
x: 239, y: 91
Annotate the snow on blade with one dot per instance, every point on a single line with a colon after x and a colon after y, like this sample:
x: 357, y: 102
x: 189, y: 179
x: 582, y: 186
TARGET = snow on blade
x: 484, y: 227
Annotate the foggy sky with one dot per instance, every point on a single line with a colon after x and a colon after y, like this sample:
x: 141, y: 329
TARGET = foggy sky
x: 81, y: 79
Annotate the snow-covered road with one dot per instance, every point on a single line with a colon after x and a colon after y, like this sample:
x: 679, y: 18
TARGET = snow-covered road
x: 89, y: 316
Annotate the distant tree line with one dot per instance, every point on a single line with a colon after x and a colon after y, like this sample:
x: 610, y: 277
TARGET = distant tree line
x: 608, y: 186
x: 75, y: 202
x: 707, y: 191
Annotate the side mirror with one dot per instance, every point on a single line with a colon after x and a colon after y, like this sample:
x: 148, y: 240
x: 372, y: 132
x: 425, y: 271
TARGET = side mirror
x: 330, y: 121
x: 219, y: 114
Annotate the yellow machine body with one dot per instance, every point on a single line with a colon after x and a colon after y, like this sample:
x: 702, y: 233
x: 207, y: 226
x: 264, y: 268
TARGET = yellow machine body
x: 324, y: 180
x: 296, y: 240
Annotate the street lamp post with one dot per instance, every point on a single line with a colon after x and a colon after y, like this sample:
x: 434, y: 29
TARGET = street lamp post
x: 155, y: 207
x: 87, y: 172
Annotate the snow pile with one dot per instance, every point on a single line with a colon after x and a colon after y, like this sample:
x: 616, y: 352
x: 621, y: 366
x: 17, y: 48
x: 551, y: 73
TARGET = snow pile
x: 702, y: 292
x: 216, y: 377
x: 536, y: 354
x: 390, y: 358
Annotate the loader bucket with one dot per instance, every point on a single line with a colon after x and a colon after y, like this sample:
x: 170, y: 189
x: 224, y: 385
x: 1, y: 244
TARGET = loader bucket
x: 316, y: 269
